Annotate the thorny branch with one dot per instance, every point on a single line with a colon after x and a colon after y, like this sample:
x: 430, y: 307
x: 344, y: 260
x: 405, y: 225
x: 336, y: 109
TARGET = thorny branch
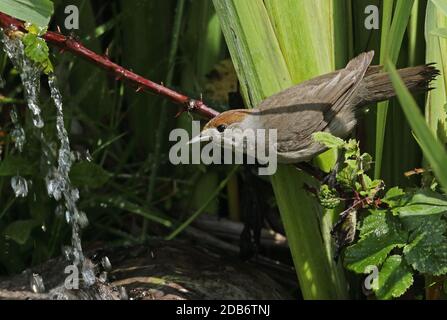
x: 66, y: 43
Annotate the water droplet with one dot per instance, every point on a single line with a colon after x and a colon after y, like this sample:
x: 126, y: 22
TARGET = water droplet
x: 87, y: 273
x: 88, y: 156
x: 82, y: 219
x: 36, y: 283
x: 67, y: 251
x: 20, y: 186
x: 123, y: 294
x: 105, y: 262
x: 103, y: 276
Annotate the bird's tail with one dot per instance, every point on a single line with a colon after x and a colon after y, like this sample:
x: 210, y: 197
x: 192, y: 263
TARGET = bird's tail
x: 376, y: 85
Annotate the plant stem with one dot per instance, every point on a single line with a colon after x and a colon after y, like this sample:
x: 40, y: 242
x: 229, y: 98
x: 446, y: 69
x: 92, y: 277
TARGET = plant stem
x: 74, y: 46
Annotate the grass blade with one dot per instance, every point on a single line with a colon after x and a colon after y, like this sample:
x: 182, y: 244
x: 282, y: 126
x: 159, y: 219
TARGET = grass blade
x: 433, y: 150
x: 392, y: 36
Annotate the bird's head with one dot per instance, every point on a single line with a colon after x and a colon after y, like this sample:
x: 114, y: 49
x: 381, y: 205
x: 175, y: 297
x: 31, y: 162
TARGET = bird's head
x: 220, y: 128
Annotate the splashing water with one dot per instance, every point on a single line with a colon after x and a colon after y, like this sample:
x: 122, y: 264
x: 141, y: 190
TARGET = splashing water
x: 20, y: 186
x: 59, y: 186
x: 36, y: 283
x: 29, y: 73
x: 17, y: 133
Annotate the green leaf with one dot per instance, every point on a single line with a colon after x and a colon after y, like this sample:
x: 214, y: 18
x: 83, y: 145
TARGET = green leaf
x: 393, y: 196
x: 433, y: 150
x: 395, y: 277
x: 419, y: 210
x: 379, y: 234
x: 35, y: 11
x: 16, y: 165
x: 392, y: 33
x: 427, y: 250
x: 328, y: 139
x: 441, y: 5
x: 20, y: 230
x: 88, y: 174
x: 440, y: 32
x: 36, y: 50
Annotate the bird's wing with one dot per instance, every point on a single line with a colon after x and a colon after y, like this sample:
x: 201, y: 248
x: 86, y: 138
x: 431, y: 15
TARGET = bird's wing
x: 311, y: 105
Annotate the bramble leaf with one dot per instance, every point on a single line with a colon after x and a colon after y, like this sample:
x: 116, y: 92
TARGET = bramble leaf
x: 427, y: 248
x: 379, y: 234
x: 395, y: 277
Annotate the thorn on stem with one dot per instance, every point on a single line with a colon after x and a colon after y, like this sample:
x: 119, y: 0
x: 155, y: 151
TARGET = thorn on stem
x: 179, y: 113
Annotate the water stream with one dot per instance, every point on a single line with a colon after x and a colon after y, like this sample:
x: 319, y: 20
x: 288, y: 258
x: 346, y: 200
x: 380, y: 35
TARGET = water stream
x: 57, y: 174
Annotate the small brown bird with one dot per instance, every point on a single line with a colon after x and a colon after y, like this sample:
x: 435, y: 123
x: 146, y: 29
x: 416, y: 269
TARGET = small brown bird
x: 329, y: 103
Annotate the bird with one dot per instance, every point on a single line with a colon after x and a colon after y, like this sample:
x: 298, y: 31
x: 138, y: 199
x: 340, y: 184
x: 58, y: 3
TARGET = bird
x: 330, y: 103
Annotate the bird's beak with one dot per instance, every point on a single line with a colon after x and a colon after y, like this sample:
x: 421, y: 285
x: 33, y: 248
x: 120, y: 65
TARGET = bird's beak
x: 201, y: 137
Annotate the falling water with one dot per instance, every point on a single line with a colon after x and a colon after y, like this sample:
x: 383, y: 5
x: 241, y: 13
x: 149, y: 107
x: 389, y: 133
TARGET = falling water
x: 20, y: 186
x: 29, y: 73
x: 57, y: 176
x: 17, y: 133
x: 58, y: 186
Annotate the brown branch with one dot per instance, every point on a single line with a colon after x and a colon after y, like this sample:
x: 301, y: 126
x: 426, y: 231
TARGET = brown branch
x: 65, y: 43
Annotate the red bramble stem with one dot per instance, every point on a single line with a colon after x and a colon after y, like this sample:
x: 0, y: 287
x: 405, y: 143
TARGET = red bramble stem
x: 70, y: 44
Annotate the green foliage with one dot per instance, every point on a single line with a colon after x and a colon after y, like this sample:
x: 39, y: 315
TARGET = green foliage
x: 16, y: 165
x: 37, y: 12
x: 328, y: 139
x: 19, y: 230
x: 88, y: 174
x: 36, y: 48
x: 328, y: 197
x: 403, y: 233
x: 395, y: 277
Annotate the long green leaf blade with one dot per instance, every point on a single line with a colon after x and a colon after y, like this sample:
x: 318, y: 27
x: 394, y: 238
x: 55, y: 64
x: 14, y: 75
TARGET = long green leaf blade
x: 433, y: 150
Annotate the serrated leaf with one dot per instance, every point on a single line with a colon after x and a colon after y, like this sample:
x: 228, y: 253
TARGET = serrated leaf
x: 36, y: 50
x: 16, y: 165
x: 427, y: 249
x: 395, y: 277
x: 88, y: 174
x: 328, y: 139
x: 19, y: 230
x: 379, y: 234
x: 366, y: 253
x: 35, y: 11
x: 378, y: 223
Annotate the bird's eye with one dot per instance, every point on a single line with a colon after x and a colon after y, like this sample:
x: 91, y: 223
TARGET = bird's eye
x: 221, y: 128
